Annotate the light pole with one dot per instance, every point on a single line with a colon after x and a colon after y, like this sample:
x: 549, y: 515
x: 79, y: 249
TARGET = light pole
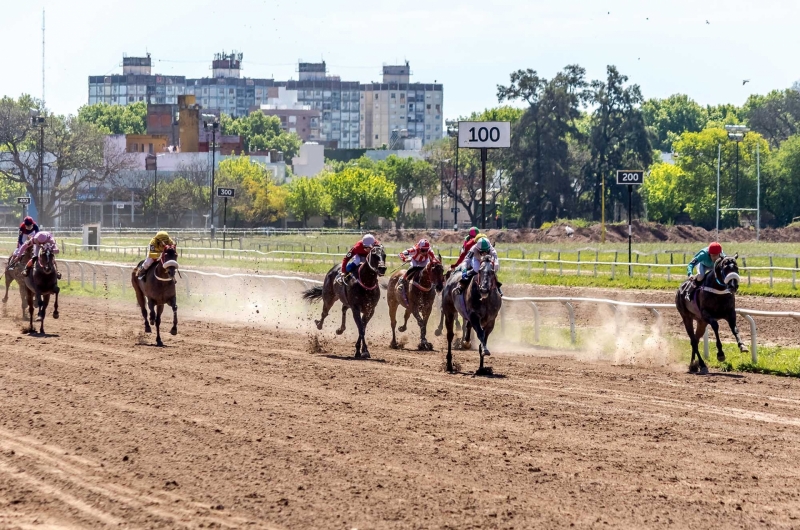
x: 210, y: 121
x: 441, y: 192
x: 452, y: 132
x: 38, y: 121
x: 736, y: 133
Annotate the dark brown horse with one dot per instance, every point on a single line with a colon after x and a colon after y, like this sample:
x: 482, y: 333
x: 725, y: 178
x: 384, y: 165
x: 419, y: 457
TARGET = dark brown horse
x: 715, y: 300
x: 479, y: 305
x: 418, y: 300
x: 41, y: 282
x: 362, y: 296
x: 14, y: 273
x: 158, y: 288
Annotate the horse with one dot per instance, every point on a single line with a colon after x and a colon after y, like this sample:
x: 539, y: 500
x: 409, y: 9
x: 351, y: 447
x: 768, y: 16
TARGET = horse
x: 14, y: 273
x: 159, y: 289
x: 362, y: 297
x: 478, y: 305
x: 418, y: 301
x: 714, y: 300
x: 40, y: 283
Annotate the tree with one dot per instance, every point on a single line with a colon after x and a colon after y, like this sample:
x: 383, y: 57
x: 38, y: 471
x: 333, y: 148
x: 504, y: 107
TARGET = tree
x: 116, y: 119
x: 306, y: 198
x: 360, y: 193
x: 723, y: 114
x: 412, y: 178
x: 176, y: 198
x: 668, y: 118
x: 665, y: 192
x: 539, y: 160
x: 696, y: 157
x: 782, y: 187
x: 262, y: 133
x: 258, y: 199
x: 618, y: 136
x: 775, y: 116
x: 77, y: 156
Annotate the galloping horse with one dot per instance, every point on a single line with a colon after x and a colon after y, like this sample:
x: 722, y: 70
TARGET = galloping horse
x: 715, y: 300
x: 41, y: 282
x: 14, y: 273
x: 420, y: 296
x: 159, y: 289
x: 479, y: 306
x: 362, y: 297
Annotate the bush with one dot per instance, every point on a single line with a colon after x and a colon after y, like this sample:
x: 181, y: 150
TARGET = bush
x: 574, y: 223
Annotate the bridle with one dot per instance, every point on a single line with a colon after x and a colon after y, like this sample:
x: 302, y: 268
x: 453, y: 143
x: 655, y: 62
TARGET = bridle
x: 373, y: 268
x: 167, y: 264
x: 725, y: 284
x: 487, y: 281
x: 45, y: 259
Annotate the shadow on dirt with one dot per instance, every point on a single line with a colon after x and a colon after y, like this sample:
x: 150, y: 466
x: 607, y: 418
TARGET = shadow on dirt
x: 351, y: 358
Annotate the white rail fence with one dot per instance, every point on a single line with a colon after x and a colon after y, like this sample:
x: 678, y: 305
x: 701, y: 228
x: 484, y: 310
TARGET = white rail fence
x: 574, y: 267
x: 568, y: 303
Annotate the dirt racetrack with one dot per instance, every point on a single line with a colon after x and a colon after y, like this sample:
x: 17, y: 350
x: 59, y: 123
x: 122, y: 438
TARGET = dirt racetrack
x: 249, y: 426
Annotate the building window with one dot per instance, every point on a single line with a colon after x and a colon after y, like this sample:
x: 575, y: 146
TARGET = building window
x: 135, y: 147
x: 376, y: 136
x: 377, y: 96
x: 150, y: 148
x: 394, y: 95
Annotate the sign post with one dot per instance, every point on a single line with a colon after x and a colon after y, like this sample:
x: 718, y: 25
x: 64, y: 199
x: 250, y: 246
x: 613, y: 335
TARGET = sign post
x: 24, y: 201
x: 225, y: 193
x: 630, y: 178
x: 484, y: 135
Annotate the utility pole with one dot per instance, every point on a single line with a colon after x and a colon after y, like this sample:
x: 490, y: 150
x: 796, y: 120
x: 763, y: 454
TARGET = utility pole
x: 213, y: 125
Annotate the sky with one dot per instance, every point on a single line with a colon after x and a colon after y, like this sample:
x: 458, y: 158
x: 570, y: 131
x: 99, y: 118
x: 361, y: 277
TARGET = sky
x: 704, y: 48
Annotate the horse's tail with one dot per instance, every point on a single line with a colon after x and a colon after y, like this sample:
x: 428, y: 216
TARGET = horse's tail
x: 315, y: 293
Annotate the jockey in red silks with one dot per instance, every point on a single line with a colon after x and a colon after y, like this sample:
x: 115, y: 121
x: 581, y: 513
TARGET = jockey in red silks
x: 419, y: 255
x: 27, y: 229
x: 38, y: 241
x: 472, y: 237
x: 355, y: 257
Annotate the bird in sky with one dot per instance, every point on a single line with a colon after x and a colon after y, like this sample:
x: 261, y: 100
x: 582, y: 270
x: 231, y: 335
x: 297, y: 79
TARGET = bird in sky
x: 744, y: 82
x: 707, y: 22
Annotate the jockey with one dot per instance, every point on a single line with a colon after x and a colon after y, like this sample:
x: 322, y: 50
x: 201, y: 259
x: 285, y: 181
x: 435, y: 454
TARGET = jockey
x: 355, y: 256
x: 704, y: 260
x: 38, y: 241
x: 157, y: 246
x: 472, y: 263
x: 27, y: 229
x: 469, y: 242
x: 419, y: 255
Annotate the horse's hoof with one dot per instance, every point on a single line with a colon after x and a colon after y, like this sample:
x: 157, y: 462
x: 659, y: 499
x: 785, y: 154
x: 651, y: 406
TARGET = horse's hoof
x: 38, y: 318
x: 721, y: 357
x: 365, y: 354
x: 55, y: 315
x: 152, y: 321
x: 438, y: 332
x: 319, y: 324
x: 358, y: 355
x: 339, y: 331
x: 743, y: 348
x: 393, y: 345
x: 693, y: 368
x: 465, y: 345
x: 5, y: 299
x: 173, y: 331
x: 402, y: 329
x: 148, y: 329
x: 704, y: 370
x: 160, y: 343
x: 486, y: 370
x: 487, y: 353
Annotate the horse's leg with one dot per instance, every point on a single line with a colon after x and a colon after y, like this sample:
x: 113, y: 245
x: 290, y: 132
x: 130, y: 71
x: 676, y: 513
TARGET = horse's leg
x: 39, y: 314
x: 42, y: 310
x: 438, y: 330
x: 159, y: 310
x: 698, y: 335
x: 466, y: 336
x: 475, y: 323
x: 406, y: 315
x: 365, y: 318
x: 55, y: 305
x: 732, y: 323
x: 450, y: 335
x: 8, y: 283
x: 344, y: 320
x: 392, y: 318
x: 423, y: 329
x: 30, y: 297
x: 360, y: 328
x: 715, y: 326
x: 174, y: 304
x: 327, y: 303
x: 151, y: 306
x: 688, y: 323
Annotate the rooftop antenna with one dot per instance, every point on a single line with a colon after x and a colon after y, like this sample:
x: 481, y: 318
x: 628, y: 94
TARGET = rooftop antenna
x: 43, y: 58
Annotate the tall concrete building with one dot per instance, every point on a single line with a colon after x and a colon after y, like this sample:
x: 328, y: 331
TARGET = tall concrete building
x: 226, y: 90
x: 397, y: 110
x: 137, y: 83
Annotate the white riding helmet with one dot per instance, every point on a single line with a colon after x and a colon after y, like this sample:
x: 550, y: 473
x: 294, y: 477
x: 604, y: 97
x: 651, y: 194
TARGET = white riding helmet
x: 368, y: 240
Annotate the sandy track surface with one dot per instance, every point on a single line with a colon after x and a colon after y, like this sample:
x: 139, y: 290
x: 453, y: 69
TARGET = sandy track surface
x: 249, y: 426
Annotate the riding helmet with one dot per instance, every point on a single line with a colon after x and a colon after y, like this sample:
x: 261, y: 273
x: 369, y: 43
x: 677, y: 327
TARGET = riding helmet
x: 715, y: 248
x: 28, y: 221
x: 368, y: 240
x: 423, y: 244
x: 483, y: 245
x: 473, y: 231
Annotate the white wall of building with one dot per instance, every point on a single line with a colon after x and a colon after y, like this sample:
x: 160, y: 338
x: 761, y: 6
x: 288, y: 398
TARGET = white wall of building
x: 310, y: 160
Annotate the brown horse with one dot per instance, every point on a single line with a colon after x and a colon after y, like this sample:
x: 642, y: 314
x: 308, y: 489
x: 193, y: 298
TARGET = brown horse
x: 14, y: 273
x: 418, y: 300
x: 362, y: 296
x: 159, y: 289
x: 479, y: 305
x: 41, y: 282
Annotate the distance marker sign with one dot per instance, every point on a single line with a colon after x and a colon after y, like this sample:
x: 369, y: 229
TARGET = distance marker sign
x: 484, y: 134
x: 23, y: 200
x: 632, y: 177
x: 226, y: 192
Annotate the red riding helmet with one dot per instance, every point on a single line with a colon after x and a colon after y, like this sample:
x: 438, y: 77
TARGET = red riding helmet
x: 28, y: 221
x: 715, y: 248
x: 423, y: 245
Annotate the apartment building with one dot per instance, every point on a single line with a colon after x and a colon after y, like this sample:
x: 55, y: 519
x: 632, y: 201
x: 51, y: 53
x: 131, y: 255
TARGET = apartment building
x: 137, y: 83
x: 397, y: 110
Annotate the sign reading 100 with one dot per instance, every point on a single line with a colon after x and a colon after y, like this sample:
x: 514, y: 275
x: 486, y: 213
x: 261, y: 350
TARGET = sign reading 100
x: 484, y: 134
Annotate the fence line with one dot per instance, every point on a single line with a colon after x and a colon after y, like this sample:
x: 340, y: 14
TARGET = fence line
x: 568, y: 302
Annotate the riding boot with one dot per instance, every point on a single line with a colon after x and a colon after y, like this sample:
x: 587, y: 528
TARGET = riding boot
x: 463, y: 283
x: 499, y: 285
x: 28, y: 267
x: 142, y: 275
x: 692, y: 288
